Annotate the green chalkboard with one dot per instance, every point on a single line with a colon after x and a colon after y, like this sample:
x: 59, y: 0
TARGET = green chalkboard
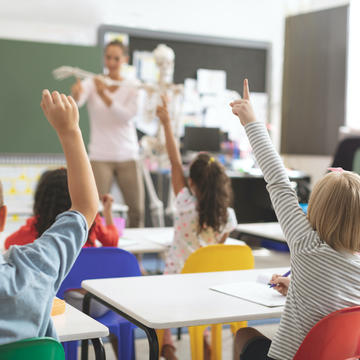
x: 25, y: 69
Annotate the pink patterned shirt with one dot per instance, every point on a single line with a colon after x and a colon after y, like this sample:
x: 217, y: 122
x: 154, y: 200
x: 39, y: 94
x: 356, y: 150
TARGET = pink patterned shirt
x: 186, y: 240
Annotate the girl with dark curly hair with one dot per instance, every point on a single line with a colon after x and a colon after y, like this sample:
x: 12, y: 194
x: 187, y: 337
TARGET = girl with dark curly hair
x: 203, y: 215
x: 51, y: 199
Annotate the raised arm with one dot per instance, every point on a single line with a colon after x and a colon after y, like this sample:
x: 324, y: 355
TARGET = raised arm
x: 177, y: 174
x: 107, y: 201
x: 283, y: 197
x: 62, y: 113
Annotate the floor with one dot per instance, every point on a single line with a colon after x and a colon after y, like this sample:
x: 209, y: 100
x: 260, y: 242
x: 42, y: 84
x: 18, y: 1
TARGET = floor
x: 183, y: 346
x: 264, y: 258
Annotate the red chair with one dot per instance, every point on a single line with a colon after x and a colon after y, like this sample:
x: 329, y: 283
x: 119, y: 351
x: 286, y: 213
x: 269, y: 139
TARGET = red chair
x: 335, y: 337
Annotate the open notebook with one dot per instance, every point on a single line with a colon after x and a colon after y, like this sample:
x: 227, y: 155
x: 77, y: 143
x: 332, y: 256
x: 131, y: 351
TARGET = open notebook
x: 255, y: 291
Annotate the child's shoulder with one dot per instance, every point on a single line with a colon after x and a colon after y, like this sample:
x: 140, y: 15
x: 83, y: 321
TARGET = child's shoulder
x: 231, y: 215
x: 184, y: 199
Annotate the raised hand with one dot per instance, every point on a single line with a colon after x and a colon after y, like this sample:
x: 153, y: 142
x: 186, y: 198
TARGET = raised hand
x: 242, y: 107
x: 107, y: 201
x: 281, y: 284
x: 162, y: 111
x: 100, y: 85
x: 61, y: 112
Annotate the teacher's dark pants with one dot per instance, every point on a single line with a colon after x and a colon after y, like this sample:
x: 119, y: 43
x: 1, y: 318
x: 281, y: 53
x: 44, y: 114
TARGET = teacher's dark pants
x: 128, y: 175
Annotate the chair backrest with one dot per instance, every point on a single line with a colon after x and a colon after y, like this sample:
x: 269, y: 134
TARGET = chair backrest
x: 33, y: 349
x: 99, y: 263
x: 336, y: 336
x: 356, y: 162
x: 219, y: 258
x: 345, y: 153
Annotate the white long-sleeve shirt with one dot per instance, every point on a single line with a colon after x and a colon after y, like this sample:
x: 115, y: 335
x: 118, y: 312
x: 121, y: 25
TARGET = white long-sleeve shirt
x: 322, y: 280
x: 112, y: 131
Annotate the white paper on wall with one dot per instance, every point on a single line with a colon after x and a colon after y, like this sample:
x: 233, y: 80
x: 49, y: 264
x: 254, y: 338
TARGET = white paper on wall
x: 211, y: 81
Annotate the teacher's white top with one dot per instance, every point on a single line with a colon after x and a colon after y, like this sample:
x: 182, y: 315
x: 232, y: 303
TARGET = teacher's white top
x: 112, y: 130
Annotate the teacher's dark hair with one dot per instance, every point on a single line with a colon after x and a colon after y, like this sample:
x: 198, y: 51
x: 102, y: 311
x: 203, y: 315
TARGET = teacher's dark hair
x: 213, y: 192
x: 120, y: 44
x: 51, y: 198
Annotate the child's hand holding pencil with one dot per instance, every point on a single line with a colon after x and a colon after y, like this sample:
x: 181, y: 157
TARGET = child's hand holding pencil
x: 280, y: 283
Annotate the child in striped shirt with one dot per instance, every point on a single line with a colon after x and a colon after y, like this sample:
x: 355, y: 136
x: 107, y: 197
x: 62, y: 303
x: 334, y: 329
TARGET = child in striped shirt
x: 324, y: 246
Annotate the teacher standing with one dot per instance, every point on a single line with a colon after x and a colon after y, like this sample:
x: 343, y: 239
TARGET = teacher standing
x: 113, y: 147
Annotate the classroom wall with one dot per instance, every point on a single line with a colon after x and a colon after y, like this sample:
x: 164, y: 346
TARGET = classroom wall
x: 77, y: 22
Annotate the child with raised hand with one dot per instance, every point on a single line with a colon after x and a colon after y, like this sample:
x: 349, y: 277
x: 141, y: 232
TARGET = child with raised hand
x: 324, y: 246
x: 51, y: 199
x: 31, y: 274
x: 203, y: 216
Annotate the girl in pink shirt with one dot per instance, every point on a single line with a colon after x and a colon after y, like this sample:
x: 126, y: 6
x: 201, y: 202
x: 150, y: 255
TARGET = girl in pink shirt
x: 203, y: 216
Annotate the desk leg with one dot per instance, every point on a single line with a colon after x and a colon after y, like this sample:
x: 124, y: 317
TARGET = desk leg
x: 85, y: 343
x: 150, y: 332
x: 99, y: 349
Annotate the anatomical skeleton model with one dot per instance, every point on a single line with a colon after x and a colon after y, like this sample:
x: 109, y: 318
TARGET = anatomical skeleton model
x: 153, y: 147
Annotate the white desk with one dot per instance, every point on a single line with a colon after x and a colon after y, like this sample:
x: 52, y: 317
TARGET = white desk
x: 26, y: 208
x: 156, y: 239
x: 270, y: 230
x: 171, y: 301
x: 75, y: 325
x: 134, y: 240
x: 162, y: 236
x: 145, y: 240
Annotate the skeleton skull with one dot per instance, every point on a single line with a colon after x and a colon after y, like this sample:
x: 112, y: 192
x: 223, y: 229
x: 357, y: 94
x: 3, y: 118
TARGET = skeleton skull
x: 164, y: 58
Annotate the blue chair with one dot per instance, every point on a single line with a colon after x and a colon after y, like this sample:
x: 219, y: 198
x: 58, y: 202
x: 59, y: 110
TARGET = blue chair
x: 100, y: 263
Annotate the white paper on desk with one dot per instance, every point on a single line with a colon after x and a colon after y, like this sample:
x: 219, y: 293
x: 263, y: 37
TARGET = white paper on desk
x: 252, y: 291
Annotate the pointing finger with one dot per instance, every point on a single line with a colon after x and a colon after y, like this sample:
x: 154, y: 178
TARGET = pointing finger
x: 246, y: 92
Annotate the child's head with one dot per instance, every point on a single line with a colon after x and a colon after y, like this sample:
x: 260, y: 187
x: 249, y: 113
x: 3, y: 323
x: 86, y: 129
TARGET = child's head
x: 51, y: 198
x: 334, y: 210
x: 2, y: 209
x: 212, y: 188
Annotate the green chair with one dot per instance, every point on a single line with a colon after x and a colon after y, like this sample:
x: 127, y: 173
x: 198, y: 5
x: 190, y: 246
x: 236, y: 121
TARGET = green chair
x: 44, y: 348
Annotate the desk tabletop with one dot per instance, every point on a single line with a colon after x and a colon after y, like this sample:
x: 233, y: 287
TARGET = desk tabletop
x: 75, y: 325
x: 26, y: 208
x: 134, y: 240
x: 269, y: 230
x: 169, y: 301
x: 146, y: 240
x: 158, y: 235
x: 155, y: 239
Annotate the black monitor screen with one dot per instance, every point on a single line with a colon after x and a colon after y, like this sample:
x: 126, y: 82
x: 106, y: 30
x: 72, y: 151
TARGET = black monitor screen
x: 202, y: 139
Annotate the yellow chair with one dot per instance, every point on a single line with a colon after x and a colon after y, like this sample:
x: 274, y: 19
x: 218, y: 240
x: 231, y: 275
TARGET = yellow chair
x: 214, y: 258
